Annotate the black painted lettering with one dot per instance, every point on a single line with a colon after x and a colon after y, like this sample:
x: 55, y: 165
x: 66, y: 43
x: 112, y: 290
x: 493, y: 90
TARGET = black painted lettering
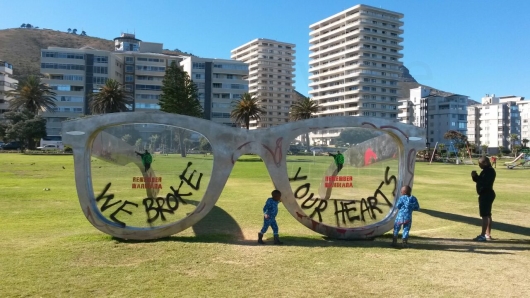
x: 107, y: 198
x: 296, y: 176
x: 122, y: 208
x: 189, y: 179
x: 304, y: 204
x: 364, y: 208
x: 303, y: 186
x: 321, y: 207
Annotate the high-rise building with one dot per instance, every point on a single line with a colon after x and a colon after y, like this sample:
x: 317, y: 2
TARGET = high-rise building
x: 436, y: 111
x: 496, y: 120
x: 7, y: 83
x: 354, y: 64
x: 219, y: 82
x: 74, y: 74
x: 271, y: 77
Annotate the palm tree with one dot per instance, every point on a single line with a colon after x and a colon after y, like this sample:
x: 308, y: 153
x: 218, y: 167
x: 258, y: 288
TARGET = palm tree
x: 302, y: 109
x: 69, y: 30
x: 111, y: 98
x: 74, y: 31
x: 83, y: 33
x: 245, y: 109
x: 32, y: 95
x: 525, y: 141
x: 513, y: 138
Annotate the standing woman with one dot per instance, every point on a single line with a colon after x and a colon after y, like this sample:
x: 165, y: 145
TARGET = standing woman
x: 486, y: 195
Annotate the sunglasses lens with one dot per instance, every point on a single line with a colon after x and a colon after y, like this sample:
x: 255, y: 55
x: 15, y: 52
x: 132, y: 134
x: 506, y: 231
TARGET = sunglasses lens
x: 344, y: 177
x: 148, y: 175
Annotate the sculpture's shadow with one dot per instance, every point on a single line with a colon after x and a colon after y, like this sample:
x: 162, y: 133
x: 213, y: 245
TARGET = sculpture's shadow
x: 218, y: 223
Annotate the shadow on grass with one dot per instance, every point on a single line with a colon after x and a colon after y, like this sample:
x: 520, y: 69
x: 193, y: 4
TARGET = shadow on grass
x: 476, y: 221
x: 219, y: 227
x: 495, y: 247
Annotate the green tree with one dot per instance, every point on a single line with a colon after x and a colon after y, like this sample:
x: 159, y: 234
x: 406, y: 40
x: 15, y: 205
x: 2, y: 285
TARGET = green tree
x: 205, y: 144
x: 138, y: 144
x: 110, y: 98
x: 180, y: 96
x: 23, y: 126
x: 126, y: 138
x: 484, y: 149
x: 441, y: 146
x: 459, y: 140
x: 153, y: 139
x: 69, y: 30
x: 513, y: 138
x: 304, y: 108
x: 32, y: 95
x: 245, y: 109
x: 525, y: 141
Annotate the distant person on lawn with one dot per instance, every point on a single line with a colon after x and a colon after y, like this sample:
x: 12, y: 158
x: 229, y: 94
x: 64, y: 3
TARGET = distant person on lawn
x: 339, y: 160
x: 269, y: 217
x: 486, y: 195
x: 406, y: 204
x: 147, y: 159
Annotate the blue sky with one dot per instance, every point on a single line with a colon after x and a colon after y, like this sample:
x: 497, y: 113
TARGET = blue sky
x: 470, y: 47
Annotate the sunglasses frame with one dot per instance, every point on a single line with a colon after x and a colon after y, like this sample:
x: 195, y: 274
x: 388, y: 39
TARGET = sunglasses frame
x: 228, y: 144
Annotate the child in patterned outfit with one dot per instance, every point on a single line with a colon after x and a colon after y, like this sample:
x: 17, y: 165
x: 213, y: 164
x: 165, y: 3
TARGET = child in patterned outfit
x: 269, y: 217
x: 406, y: 204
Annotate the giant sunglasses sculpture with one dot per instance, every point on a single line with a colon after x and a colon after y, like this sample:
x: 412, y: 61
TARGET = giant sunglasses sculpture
x: 129, y: 192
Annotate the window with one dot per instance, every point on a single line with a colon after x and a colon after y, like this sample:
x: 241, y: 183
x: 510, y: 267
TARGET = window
x: 148, y: 96
x: 148, y: 87
x: 129, y: 78
x: 101, y: 59
x: 198, y: 65
x: 129, y: 68
x: 99, y: 80
x: 129, y: 60
x: 100, y: 69
x: 63, y: 55
x: 150, y: 68
x: 217, y: 85
x: 62, y: 66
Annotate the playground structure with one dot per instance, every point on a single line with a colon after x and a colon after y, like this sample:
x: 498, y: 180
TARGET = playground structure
x: 449, y: 151
x: 522, y: 161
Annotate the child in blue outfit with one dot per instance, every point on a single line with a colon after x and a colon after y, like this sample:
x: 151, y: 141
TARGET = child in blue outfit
x: 269, y: 217
x: 406, y: 204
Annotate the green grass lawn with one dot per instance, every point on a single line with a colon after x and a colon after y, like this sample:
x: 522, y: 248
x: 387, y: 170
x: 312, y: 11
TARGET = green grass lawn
x: 49, y: 249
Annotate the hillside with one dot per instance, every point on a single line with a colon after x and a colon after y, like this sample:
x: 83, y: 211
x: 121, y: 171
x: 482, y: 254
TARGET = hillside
x: 21, y: 47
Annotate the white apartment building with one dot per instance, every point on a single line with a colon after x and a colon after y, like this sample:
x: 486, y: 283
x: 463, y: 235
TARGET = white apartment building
x: 219, y: 82
x: 496, y: 119
x: 524, y: 113
x: 354, y: 64
x: 436, y: 111
x: 76, y: 73
x: 7, y: 83
x: 271, y: 77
